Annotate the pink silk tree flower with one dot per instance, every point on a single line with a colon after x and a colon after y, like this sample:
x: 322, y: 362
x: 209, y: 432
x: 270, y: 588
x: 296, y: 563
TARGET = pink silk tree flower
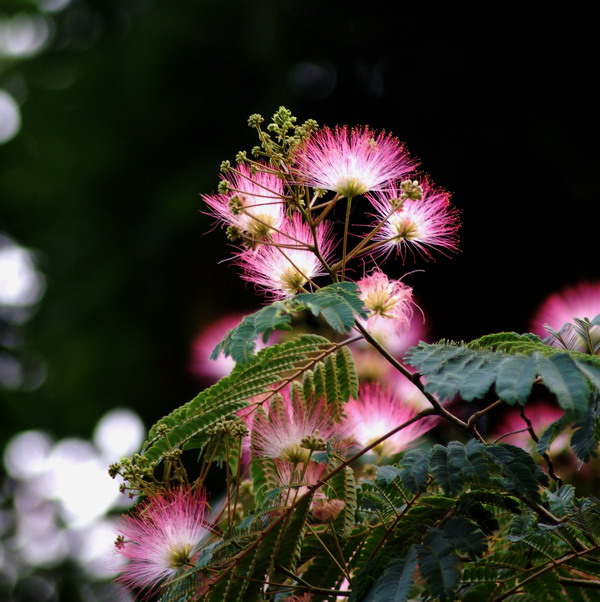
x: 254, y: 203
x: 289, y: 429
x: 415, y: 225
x: 285, y: 264
x: 352, y: 161
x: 376, y: 412
x: 162, y: 536
x: 389, y: 301
x: 579, y: 301
x: 541, y: 414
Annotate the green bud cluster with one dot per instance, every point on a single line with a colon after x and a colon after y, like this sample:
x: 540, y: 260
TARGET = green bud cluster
x: 313, y: 442
x: 223, y: 187
x: 236, y: 205
x: 233, y: 233
x: 231, y: 427
x: 411, y: 189
x: 255, y: 120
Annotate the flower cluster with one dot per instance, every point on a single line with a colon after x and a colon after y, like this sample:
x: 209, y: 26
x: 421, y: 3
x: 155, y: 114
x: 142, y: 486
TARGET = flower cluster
x: 286, y: 241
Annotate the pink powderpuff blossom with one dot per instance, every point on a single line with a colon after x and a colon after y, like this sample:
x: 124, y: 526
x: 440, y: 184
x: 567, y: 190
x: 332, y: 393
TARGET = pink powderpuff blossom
x: 352, y: 161
x: 376, y: 412
x: 579, y: 301
x: 285, y: 429
x: 389, y: 301
x: 284, y: 265
x: 254, y: 203
x: 162, y: 536
x: 416, y: 225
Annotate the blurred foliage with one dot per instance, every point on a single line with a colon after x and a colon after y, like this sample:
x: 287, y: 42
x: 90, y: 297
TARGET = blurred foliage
x: 132, y: 105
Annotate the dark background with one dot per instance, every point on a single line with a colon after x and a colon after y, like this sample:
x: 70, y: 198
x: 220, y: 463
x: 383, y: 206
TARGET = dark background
x: 129, y: 111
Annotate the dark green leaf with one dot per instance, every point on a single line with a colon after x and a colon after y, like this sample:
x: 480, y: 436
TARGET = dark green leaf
x: 438, y: 565
x: 515, y: 379
x: 395, y: 583
x: 414, y: 470
x: 562, y: 377
x: 552, y: 432
x: 464, y: 535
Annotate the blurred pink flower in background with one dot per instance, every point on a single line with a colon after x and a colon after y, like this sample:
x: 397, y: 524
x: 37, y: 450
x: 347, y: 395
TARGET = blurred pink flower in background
x: 352, y: 161
x: 581, y: 300
x: 541, y: 414
x: 559, y: 311
x: 200, y: 365
x: 376, y: 412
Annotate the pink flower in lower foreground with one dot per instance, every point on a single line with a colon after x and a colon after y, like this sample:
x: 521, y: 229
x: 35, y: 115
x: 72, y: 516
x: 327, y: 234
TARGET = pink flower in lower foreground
x: 390, y: 301
x: 352, y: 161
x: 417, y: 225
x: 284, y: 265
x: 162, y: 536
x: 254, y: 205
x: 376, y: 412
x: 289, y: 429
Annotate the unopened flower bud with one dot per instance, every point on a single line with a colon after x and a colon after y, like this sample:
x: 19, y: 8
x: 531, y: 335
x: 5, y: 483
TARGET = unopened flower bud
x: 233, y: 233
x: 411, y: 189
x: 255, y: 120
x: 236, y: 205
x: 114, y: 470
x: 314, y: 442
x: 225, y: 166
x: 223, y: 187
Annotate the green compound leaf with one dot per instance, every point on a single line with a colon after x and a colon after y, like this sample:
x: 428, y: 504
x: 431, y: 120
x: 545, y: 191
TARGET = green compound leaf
x: 465, y: 536
x: 344, y: 488
x: 414, y: 471
x: 562, y: 377
x: 511, y: 364
x: 338, y: 303
x: 552, y: 432
x: 514, y: 379
x: 273, y: 365
x: 438, y: 565
x: 396, y: 581
x: 586, y: 437
x: 457, y: 464
x: 521, y: 475
x: 240, y: 342
x: 335, y: 378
